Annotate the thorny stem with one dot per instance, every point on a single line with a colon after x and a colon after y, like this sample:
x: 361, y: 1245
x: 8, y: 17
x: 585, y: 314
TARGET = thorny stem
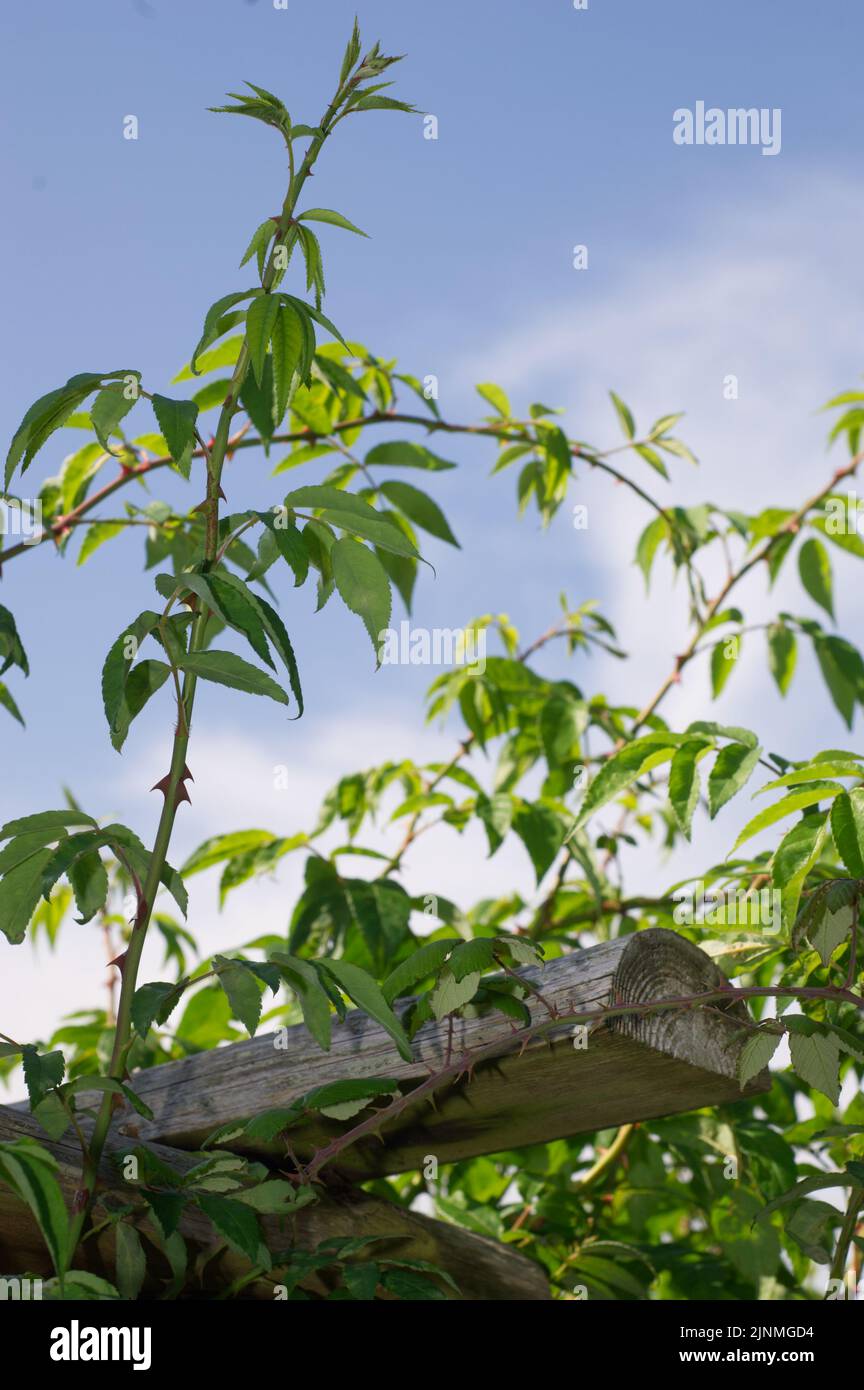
x: 215, y: 457
x: 244, y: 440
x: 468, y: 1060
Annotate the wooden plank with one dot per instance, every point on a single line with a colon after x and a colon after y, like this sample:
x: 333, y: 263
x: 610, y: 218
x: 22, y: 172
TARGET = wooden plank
x: 482, y: 1268
x: 634, y: 1067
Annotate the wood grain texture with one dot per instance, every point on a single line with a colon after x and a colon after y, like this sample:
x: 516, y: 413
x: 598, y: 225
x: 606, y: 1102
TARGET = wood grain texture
x: 633, y: 1068
x: 482, y: 1268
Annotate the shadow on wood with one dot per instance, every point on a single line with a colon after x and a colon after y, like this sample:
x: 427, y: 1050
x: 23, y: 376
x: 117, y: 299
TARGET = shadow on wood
x: 481, y: 1268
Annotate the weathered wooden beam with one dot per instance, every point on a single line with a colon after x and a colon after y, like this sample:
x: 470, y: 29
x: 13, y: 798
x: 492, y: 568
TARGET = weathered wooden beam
x: 482, y: 1268
x: 634, y: 1066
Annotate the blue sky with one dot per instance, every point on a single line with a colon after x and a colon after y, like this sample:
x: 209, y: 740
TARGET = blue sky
x: 555, y: 128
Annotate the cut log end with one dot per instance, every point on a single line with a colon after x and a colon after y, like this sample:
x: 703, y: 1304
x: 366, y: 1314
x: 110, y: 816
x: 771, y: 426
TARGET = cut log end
x: 660, y: 965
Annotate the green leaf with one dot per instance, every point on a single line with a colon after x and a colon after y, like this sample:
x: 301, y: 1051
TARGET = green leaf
x: 756, y: 1054
x: 363, y: 587
x: 30, y: 1172
x: 116, y: 672
x: 339, y: 1100
x: 712, y: 730
x: 541, y: 831
x: 42, y: 1072
x: 289, y: 542
x: 421, y: 963
x: 89, y: 879
x: 837, y: 662
x: 49, y: 413
x: 469, y: 957
x: 227, y: 669
x: 352, y: 513
x: 847, y: 828
x: 235, y: 1221
x: 261, y: 238
x: 259, y: 401
x: 732, y: 768
x: 334, y: 218
x: 131, y: 1264
x: 562, y: 720
x: 110, y: 406
x: 411, y: 1287
x: 212, y: 394
x: 814, y: 566
x: 144, y: 680
x: 795, y: 801
x: 276, y: 1197
x: 623, y: 768
x: 451, y: 994
x: 238, y: 605
x: 724, y: 655
x: 376, y: 103
x: 242, y: 990
x: 684, y: 782
x: 225, y: 355
x: 260, y: 319
x: 655, y: 532
x: 782, y: 654
x: 832, y: 931
x: 97, y: 533
x: 45, y: 821
x: 403, y: 454
x: 9, y: 704
x: 154, y: 1003
x: 496, y: 398
x: 817, y: 1061
x: 653, y: 458
x: 625, y: 417
x: 20, y: 891
x: 176, y: 420
x: 52, y: 1116
x: 303, y: 979
x: 278, y: 635
x: 795, y: 855
x: 287, y: 340
x: 209, y: 332
x: 366, y: 994
x: 420, y: 508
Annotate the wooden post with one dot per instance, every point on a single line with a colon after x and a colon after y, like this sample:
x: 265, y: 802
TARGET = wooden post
x: 482, y: 1268
x: 630, y: 1067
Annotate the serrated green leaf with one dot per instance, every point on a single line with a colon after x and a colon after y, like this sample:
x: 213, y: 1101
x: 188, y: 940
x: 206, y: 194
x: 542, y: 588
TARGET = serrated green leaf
x: 816, y: 1059
x: 224, y: 668
x: 625, y: 417
x: 847, y: 828
x: 451, y: 994
x: 756, y: 1054
x: 366, y: 994
x: 420, y: 509
x: 814, y: 567
x: 684, y: 782
x: 327, y: 215
x: 787, y: 806
x: 363, y: 587
x: 732, y: 768
x: 425, y: 961
x: 260, y: 319
x: 176, y: 420
x: 782, y: 655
